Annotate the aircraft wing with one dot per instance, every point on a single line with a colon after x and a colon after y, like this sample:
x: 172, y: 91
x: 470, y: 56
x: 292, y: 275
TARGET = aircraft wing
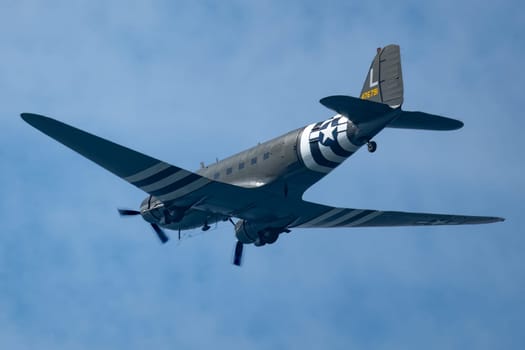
x: 326, y: 216
x: 171, y: 184
x: 179, y: 187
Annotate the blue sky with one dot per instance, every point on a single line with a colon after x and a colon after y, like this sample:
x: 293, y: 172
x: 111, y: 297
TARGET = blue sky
x: 191, y: 81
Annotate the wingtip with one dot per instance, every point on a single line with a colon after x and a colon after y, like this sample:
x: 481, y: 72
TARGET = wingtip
x: 459, y: 124
x: 31, y: 118
x: 493, y: 219
x: 451, y: 124
x: 26, y: 116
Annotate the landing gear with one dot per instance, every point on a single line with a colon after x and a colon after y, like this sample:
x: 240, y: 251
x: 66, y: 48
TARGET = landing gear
x: 372, y: 146
x: 206, y: 227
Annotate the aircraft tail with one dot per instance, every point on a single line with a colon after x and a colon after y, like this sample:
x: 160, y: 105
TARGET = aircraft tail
x: 382, y: 97
x: 384, y: 81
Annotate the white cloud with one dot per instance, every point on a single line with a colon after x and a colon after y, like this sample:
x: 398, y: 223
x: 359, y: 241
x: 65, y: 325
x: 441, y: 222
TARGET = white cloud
x: 157, y: 76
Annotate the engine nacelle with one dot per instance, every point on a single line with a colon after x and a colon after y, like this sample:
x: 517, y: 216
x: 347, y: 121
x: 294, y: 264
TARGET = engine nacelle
x: 257, y: 233
x: 154, y: 211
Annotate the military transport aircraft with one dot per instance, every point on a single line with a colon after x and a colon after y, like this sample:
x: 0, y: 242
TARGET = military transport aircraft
x: 262, y: 187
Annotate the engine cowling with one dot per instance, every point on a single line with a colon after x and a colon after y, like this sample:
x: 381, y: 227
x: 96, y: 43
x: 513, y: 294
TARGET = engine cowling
x: 154, y: 211
x: 257, y: 233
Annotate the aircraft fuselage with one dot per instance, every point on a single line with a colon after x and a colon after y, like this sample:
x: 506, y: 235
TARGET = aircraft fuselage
x: 262, y: 187
x: 286, y: 165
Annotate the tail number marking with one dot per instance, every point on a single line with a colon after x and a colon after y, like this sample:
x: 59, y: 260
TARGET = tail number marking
x: 370, y: 93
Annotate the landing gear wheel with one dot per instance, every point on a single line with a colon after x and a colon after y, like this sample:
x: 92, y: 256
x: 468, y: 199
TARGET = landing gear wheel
x: 372, y: 146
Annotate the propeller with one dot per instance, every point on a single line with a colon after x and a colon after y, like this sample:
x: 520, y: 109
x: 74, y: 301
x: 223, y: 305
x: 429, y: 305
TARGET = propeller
x: 128, y: 212
x: 237, y: 256
x: 159, y: 231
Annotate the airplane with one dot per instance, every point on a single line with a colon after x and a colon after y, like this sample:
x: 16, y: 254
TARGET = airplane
x: 262, y: 187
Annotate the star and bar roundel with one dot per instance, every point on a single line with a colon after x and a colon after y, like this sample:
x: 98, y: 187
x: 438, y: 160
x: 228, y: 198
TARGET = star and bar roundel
x: 325, y: 145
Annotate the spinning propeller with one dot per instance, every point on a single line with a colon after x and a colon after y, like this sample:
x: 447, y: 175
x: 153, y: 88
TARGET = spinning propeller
x: 239, y: 246
x: 160, y: 232
x: 237, y: 254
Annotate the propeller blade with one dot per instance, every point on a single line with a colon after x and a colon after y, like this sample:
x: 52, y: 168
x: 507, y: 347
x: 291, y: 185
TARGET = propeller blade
x: 128, y: 212
x: 237, y: 256
x: 162, y: 236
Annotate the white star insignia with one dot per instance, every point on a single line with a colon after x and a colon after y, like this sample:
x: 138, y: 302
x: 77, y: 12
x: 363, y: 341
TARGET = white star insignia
x: 328, y: 133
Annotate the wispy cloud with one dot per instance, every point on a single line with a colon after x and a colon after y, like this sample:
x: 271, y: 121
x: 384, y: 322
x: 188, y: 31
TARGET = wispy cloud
x: 166, y: 77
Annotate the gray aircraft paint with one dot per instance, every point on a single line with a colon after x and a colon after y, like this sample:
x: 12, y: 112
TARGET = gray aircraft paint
x: 263, y: 186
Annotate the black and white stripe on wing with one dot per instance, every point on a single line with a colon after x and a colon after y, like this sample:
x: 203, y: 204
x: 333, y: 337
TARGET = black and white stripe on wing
x: 167, y: 182
x: 358, y: 221
x: 339, y: 217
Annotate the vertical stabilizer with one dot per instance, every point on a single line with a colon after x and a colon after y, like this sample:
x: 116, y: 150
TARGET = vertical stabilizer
x: 384, y: 81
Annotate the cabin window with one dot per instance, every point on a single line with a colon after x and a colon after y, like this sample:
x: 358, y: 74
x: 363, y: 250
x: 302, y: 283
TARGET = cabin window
x: 253, y: 161
x: 216, y: 176
x: 266, y: 155
x: 241, y: 165
x: 229, y: 171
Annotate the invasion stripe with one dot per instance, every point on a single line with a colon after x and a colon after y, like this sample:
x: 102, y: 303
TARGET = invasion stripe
x: 356, y: 218
x: 366, y: 218
x: 176, y: 185
x: 333, y: 217
x: 330, y: 155
x: 344, y: 218
x: 322, y: 217
x: 306, y: 154
x: 147, y: 172
x: 345, y: 143
x: 338, y: 150
x: 157, y: 177
x: 314, y: 134
x: 166, y: 181
x: 319, y: 158
x: 185, y: 190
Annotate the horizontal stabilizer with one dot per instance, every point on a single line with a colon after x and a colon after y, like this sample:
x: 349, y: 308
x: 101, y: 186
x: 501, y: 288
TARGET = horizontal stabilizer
x: 424, y: 121
x: 355, y: 109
